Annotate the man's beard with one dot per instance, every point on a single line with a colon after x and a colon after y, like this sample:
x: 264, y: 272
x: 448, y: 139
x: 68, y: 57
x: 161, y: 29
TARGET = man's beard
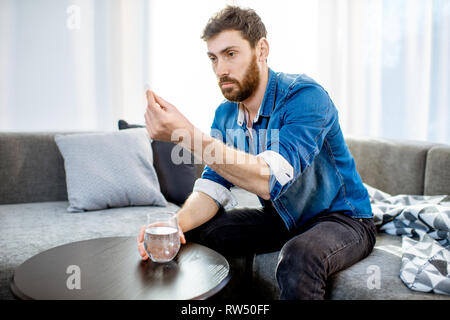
x: 246, y: 88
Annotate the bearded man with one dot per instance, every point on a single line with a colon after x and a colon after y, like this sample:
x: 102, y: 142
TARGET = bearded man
x: 276, y: 135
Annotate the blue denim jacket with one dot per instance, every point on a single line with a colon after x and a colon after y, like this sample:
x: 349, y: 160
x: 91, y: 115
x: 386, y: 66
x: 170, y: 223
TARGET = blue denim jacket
x: 297, y: 133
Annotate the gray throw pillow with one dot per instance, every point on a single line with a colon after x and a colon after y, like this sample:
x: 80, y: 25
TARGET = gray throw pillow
x: 106, y: 170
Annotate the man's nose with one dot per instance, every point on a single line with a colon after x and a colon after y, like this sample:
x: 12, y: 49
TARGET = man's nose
x: 222, y: 69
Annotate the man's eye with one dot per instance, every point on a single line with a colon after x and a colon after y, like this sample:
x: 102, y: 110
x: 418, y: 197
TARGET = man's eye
x: 213, y: 59
x: 231, y: 53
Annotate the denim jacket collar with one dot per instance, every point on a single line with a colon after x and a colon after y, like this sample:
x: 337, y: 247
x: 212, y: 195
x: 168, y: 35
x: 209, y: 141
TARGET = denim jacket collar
x: 269, y: 96
x: 267, y: 104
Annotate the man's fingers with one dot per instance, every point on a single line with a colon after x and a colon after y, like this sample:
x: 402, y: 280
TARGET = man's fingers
x: 182, y: 238
x: 142, y: 252
x: 140, y: 243
x: 150, y: 97
x: 152, y: 104
x: 160, y: 100
x: 141, y: 234
x: 163, y: 103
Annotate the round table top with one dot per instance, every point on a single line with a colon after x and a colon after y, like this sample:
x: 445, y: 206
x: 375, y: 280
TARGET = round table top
x: 111, y: 268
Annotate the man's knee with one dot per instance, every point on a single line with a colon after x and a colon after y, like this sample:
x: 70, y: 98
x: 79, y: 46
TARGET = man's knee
x: 300, y: 270
x: 300, y: 252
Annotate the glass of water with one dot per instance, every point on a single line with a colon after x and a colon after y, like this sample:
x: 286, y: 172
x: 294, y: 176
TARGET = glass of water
x: 162, y: 238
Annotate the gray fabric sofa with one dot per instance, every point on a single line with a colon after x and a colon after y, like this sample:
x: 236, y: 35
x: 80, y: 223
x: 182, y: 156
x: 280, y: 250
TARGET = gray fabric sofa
x: 33, y: 215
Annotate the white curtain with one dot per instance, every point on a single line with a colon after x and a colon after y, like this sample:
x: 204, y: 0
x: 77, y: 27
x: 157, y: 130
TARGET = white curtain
x: 72, y: 65
x: 385, y: 63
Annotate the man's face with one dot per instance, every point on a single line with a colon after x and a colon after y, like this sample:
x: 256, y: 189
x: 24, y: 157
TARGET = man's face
x: 235, y: 65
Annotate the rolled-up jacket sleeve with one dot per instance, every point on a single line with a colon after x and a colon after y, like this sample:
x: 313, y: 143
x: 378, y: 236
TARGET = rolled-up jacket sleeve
x: 308, y: 115
x: 216, y: 187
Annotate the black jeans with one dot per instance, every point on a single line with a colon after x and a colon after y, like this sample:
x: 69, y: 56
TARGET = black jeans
x: 326, y: 244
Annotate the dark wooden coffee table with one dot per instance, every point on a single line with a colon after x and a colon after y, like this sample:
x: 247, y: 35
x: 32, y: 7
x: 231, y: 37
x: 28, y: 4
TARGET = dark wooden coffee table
x: 111, y: 268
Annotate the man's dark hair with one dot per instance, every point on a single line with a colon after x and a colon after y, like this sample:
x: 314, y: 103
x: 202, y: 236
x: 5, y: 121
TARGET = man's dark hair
x: 235, y: 18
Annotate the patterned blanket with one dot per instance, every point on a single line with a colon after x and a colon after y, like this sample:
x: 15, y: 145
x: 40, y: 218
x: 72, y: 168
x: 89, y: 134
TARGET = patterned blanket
x: 423, y: 222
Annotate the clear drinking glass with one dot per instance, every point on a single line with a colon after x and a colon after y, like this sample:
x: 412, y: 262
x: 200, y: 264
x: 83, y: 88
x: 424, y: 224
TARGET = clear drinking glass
x: 162, y: 238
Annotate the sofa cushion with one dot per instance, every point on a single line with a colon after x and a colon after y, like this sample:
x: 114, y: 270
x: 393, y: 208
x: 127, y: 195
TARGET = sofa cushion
x: 31, y: 168
x: 357, y: 282
x: 354, y: 282
x: 264, y: 283
x: 176, y: 180
x: 112, y: 169
x: 437, y: 173
x: 30, y: 228
x: 393, y: 166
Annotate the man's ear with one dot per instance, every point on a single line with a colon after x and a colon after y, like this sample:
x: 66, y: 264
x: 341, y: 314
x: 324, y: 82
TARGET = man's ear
x: 263, y: 49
